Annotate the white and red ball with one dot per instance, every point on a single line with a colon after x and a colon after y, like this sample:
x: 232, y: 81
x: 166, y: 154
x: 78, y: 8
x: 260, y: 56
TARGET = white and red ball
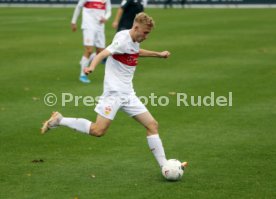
x: 172, y: 170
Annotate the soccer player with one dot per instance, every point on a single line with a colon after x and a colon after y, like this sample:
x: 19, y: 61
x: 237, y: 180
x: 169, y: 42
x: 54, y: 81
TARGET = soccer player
x: 94, y: 15
x: 118, y: 92
x: 126, y: 14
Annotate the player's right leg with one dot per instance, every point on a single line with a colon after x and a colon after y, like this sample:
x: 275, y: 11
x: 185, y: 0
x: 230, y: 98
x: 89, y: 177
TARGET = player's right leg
x: 88, y: 43
x: 84, y: 62
x: 106, y: 108
x: 56, y: 119
x: 79, y: 124
x: 100, y: 127
x: 52, y: 122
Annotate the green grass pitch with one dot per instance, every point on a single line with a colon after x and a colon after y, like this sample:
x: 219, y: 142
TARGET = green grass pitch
x: 231, y: 150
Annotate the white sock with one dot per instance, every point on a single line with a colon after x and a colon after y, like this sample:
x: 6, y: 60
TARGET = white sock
x: 156, y: 147
x: 92, y: 57
x: 84, y: 62
x: 78, y: 124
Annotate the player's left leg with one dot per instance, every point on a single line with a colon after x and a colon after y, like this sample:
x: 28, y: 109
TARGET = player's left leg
x: 136, y: 109
x: 154, y: 141
x: 98, y: 50
x: 100, y: 42
x: 153, y: 138
x: 147, y: 120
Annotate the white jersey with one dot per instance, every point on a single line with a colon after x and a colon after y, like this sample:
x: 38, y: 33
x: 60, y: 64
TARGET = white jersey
x: 121, y: 65
x: 92, y: 12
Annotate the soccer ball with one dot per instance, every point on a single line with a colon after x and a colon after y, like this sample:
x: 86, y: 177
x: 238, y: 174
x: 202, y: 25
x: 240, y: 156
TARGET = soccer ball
x: 172, y: 170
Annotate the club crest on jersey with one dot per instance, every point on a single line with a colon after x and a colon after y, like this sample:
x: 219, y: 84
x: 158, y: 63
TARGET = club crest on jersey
x: 87, y: 41
x: 107, y: 110
x: 116, y: 44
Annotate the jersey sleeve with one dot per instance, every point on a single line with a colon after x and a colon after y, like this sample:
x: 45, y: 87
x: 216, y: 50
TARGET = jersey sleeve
x: 108, y: 10
x: 117, y: 46
x: 77, y: 11
x: 125, y: 4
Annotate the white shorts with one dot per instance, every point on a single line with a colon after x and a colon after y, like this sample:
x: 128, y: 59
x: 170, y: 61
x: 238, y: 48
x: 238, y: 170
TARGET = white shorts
x: 94, y: 38
x: 111, y: 102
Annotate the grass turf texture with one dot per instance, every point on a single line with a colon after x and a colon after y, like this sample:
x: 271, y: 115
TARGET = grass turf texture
x: 231, y: 150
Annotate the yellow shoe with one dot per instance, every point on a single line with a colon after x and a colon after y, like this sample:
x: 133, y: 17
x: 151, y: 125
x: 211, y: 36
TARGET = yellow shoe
x: 184, y: 165
x: 52, y: 122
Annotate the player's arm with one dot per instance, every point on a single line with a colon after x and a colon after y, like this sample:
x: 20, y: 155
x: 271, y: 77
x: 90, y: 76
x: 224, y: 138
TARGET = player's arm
x: 119, y: 14
x: 117, y: 18
x: 76, y: 14
x: 116, y: 47
x: 149, y: 53
x: 107, y: 14
x: 98, y: 59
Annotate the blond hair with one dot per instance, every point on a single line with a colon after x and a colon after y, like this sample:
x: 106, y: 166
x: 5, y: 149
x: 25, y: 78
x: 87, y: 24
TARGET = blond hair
x: 144, y: 19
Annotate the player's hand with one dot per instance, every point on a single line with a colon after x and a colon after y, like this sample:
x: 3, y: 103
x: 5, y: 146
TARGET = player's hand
x: 164, y: 54
x: 102, y: 20
x: 115, y: 24
x: 87, y: 71
x: 74, y: 27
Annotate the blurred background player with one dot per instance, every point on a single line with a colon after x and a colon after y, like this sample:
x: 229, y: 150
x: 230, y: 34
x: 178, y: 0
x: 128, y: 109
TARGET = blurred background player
x: 126, y: 13
x: 94, y: 15
x: 118, y: 91
x: 170, y: 3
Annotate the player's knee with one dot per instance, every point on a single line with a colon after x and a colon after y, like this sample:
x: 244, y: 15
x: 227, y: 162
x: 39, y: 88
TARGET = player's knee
x: 89, y: 50
x: 152, y: 127
x: 98, y: 131
x: 98, y: 50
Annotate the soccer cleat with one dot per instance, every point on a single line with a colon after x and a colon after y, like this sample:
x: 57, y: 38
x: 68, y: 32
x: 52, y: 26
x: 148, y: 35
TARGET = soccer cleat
x: 184, y: 165
x: 84, y: 79
x: 52, y: 122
